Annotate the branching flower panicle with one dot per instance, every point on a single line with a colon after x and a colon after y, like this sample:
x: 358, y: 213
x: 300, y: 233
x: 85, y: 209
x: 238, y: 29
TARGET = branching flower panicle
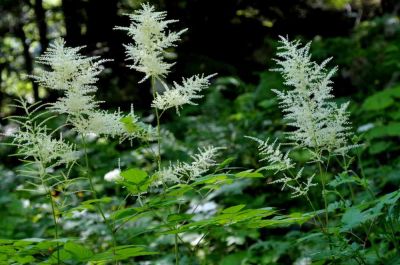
x: 295, y: 183
x: 76, y: 76
x: 69, y: 69
x: 182, y: 171
x: 182, y: 94
x: 320, y: 124
x: 37, y: 143
x: 148, y: 29
x: 273, y: 155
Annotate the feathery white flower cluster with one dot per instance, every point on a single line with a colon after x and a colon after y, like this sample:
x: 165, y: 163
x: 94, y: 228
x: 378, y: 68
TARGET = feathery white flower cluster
x: 320, y: 124
x: 149, y: 31
x: 298, y: 187
x: 185, y: 172
x: 69, y: 69
x: 34, y: 140
x: 76, y: 75
x: 182, y: 94
x: 273, y: 155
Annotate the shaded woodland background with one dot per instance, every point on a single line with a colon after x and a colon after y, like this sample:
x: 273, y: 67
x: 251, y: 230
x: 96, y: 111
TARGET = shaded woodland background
x: 236, y: 39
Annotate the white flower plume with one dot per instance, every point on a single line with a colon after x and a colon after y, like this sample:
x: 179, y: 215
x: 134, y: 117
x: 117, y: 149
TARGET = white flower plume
x: 320, y: 123
x: 148, y: 29
x: 182, y: 94
x: 69, y: 70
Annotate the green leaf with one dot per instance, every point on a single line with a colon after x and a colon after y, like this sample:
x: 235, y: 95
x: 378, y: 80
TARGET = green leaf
x: 136, y: 180
x: 124, y: 213
x: 121, y: 253
x: 378, y: 101
x: 134, y: 175
x: 392, y: 129
x: 234, y: 209
x: 249, y: 174
x: 352, y: 218
x: 77, y: 251
x: 226, y: 162
x: 129, y: 124
x: 379, y: 147
x: 100, y: 200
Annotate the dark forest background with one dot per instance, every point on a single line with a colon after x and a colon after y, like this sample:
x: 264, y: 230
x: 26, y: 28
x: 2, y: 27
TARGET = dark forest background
x: 232, y: 38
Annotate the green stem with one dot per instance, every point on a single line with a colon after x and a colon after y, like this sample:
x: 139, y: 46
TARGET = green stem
x: 98, y: 206
x: 324, y: 193
x: 55, y: 225
x: 53, y: 210
x: 158, y: 158
x: 325, y: 205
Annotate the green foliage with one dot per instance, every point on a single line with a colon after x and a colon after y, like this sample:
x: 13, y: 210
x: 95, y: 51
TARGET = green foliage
x: 230, y: 213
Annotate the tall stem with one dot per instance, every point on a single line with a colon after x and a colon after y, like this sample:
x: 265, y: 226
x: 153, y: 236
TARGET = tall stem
x: 158, y: 158
x: 94, y: 194
x: 53, y: 209
x: 325, y: 206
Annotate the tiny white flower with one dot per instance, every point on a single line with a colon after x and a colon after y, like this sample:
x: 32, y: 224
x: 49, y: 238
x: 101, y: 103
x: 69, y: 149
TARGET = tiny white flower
x: 113, y: 175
